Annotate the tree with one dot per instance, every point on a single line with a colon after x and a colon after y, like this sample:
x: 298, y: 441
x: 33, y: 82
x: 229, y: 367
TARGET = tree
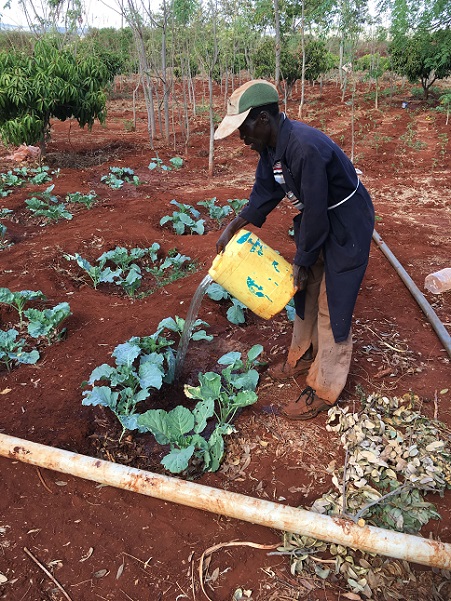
x: 424, y: 56
x: 53, y: 82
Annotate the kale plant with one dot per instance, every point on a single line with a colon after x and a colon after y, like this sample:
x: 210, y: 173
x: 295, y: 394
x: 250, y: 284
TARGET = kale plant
x: 47, y: 322
x: 186, y: 218
x: 12, y: 350
x: 18, y: 300
x: 215, y: 211
x: 45, y: 204
x: 118, y: 176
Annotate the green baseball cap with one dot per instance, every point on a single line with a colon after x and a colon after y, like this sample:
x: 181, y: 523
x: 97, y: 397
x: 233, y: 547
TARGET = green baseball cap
x: 256, y: 92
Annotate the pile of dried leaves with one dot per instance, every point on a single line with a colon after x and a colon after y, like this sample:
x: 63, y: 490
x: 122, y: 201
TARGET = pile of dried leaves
x: 394, y: 457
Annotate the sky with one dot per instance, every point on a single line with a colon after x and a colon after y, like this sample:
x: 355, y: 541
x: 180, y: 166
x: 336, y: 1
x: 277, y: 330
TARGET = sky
x: 99, y: 13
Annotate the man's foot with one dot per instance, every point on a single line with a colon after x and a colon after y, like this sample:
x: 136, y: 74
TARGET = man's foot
x: 284, y: 371
x: 306, y: 406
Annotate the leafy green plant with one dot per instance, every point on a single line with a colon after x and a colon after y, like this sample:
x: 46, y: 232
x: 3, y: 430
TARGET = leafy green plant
x: 170, y: 269
x: 233, y: 388
x: 85, y: 199
x: 3, y: 229
x: 219, y: 396
x: 45, y: 204
x: 215, y: 211
x: 235, y: 314
x: 41, y: 175
x: 118, y: 176
x: 55, y: 82
x: 157, y: 163
x: 177, y: 324
x: 123, y: 258
x: 186, y: 218
x: 47, y: 322
x: 445, y: 105
x: 97, y: 274
x: 18, y: 300
x: 12, y: 350
x: 237, y: 204
x: 141, y: 366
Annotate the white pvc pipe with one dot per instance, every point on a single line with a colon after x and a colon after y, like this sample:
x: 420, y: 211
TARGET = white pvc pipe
x: 256, y: 511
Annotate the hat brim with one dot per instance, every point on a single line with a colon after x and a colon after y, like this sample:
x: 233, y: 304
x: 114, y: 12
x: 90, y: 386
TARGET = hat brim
x: 229, y: 124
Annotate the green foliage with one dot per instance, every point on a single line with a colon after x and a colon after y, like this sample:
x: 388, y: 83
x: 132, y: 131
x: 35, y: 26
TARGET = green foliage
x: 237, y: 204
x: 318, y: 60
x: 85, y: 199
x: 141, y: 366
x: 177, y: 325
x: 157, y: 163
x: 144, y: 365
x: 18, y: 300
x: 374, y: 64
x: 12, y: 350
x: 186, y: 218
x: 45, y: 204
x: 118, y: 176
x: 47, y: 322
x: 97, y: 274
x: 233, y: 388
x: 424, y: 56
x: 235, y: 313
x: 52, y: 83
x: 215, y: 211
x: 123, y: 269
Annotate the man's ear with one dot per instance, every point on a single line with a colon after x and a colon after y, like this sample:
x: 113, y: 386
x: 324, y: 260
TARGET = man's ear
x: 264, y: 117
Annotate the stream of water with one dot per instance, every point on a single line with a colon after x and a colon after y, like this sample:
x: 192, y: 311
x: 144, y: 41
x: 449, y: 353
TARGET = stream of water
x: 189, y: 323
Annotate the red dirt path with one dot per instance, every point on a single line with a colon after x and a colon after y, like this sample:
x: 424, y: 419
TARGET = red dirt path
x: 86, y: 532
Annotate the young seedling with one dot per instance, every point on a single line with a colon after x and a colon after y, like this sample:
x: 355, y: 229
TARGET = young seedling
x: 142, y: 365
x: 85, y: 199
x: 157, y: 163
x: 45, y: 204
x: 95, y: 272
x: 47, y: 322
x: 235, y: 313
x: 237, y: 204
x: 18, y: 300
x: 177, y: 325
x: 215, y: 211
x: 118, y: 176
x: 186, y: 218
x: 11, y: 350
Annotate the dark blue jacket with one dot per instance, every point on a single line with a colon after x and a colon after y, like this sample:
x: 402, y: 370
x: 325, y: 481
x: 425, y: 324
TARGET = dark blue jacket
x: 320, y: 175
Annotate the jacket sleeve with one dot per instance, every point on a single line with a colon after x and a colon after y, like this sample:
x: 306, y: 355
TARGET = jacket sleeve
x: 265, y: 196
x: 311, y: 166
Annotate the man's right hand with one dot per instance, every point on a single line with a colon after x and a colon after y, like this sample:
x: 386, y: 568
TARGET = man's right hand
x: 229, y: 232
x: 300, y: 276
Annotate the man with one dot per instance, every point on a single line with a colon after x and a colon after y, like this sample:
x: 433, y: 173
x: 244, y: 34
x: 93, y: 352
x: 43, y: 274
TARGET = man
x: 332, y: 231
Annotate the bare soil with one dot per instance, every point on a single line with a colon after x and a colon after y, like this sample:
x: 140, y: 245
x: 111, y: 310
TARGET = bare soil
x: 103, y: 543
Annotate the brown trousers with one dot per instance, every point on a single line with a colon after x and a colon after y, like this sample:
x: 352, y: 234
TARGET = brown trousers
x: 332, y: 360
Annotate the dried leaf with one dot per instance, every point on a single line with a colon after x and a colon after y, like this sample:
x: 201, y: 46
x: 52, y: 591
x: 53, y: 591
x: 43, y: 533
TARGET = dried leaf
x: 3, y: 578
x: 120, y: 570
x: 88, y: 555
x: 100, y: 573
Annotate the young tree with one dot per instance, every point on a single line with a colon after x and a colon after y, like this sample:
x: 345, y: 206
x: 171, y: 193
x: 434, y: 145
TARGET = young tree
x: 424, y: 56
x: 52, y: 83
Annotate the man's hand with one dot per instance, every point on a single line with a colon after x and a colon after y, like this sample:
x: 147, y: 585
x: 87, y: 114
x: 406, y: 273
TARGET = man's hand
x: 300, y: 276
x: 229, y: 232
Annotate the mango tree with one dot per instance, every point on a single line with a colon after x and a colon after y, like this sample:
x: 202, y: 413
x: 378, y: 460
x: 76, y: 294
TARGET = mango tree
x: 51, y: 83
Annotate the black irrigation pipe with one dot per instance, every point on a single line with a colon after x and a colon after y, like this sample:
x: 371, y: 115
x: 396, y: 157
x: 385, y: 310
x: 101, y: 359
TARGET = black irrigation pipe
x: 438, y: 326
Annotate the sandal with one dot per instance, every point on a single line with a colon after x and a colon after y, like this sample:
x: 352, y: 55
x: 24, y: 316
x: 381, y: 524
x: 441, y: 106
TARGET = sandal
x: 284, y: 371
x: 306, y: 406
